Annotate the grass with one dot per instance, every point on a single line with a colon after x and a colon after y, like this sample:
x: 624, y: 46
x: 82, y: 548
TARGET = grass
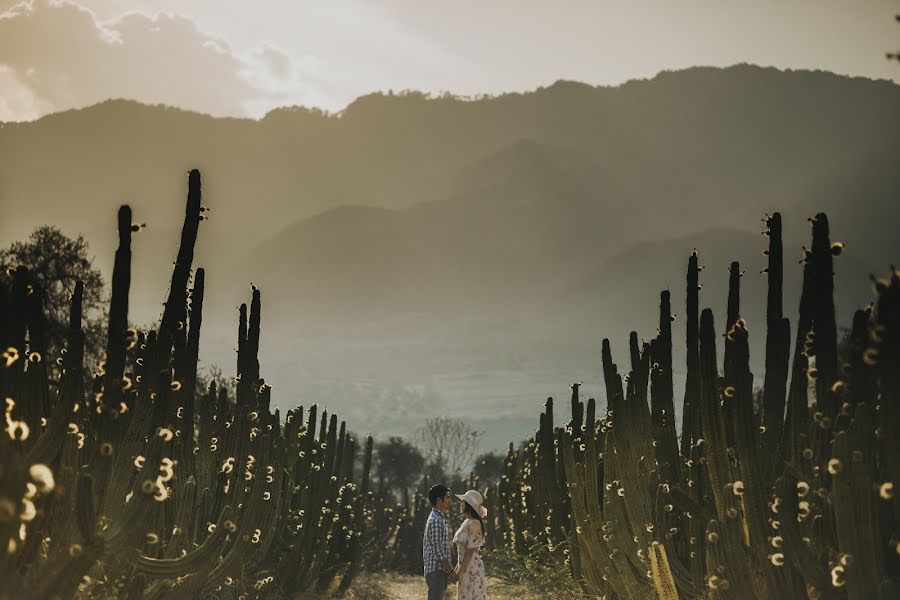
x: 541, y: 572
x: 392, y: 586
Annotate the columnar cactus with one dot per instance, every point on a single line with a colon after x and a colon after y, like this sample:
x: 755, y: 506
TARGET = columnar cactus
x: 162, y: 510
x: 752, y: 503
x: 766, y: 504
x: 778, y: 332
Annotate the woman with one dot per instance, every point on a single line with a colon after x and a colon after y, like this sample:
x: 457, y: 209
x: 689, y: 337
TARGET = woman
x: 469, y: 539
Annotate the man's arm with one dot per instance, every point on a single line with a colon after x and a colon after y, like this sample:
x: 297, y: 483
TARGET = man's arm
x: 436, y: 538
x: 453, y: 575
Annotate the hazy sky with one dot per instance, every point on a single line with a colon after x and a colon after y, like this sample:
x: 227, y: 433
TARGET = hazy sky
x: 231, y: 57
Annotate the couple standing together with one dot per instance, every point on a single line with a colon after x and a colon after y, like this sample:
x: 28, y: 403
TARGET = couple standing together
x: 469, y: 539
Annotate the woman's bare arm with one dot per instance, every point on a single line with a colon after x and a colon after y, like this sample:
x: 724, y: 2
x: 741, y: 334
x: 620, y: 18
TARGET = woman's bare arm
x: 474, y: 529
x: 466, y: 561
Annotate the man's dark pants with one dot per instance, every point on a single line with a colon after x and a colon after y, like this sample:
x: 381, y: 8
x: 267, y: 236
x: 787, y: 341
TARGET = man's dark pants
x: 437, y: 584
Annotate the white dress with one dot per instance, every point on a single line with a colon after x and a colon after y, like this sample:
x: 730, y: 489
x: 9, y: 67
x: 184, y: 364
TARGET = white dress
x: 471, y: 584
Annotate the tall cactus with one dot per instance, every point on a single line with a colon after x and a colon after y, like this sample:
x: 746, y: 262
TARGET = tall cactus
x: 150, y: 495
x: 690, y: 428
x: 661, y: 395
x: 738, y: 522
x: 778, y: 331
x: 252, y: 506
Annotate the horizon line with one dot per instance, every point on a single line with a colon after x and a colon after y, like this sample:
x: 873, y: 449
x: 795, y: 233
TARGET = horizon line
x: 448, y: 95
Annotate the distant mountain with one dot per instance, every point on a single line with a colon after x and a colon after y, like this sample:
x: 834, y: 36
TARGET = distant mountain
x: 705, y: 137
x: 438, y: 235
x: 627, y: 285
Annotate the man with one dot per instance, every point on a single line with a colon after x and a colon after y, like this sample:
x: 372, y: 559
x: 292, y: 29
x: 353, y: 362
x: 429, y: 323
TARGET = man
x: 436, y: 544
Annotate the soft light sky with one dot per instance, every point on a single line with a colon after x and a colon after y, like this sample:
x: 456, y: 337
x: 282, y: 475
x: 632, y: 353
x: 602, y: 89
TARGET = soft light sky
x: 245, y: 57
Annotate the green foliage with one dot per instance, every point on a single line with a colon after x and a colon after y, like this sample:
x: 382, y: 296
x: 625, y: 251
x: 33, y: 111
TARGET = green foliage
x: 398, y: 466
x: 540, y: 569
x: 488, y: 468
x: 56, y: 262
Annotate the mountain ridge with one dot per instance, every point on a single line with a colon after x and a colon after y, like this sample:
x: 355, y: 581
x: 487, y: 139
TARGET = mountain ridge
x: 451, y: 234
x: 295, y: 109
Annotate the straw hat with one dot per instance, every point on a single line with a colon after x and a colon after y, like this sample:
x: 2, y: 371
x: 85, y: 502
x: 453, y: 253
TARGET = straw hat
x: 474, y: 499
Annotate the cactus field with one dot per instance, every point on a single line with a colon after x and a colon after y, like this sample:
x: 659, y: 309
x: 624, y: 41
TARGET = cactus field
x: 790, y: 497
x: 140, y: 488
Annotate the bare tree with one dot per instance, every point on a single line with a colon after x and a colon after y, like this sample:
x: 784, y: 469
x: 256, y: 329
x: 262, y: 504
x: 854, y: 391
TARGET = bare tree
x: 449, y: 442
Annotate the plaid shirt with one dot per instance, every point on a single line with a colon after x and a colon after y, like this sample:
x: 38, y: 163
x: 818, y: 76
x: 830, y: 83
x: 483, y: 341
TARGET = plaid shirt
x: 436, y: 543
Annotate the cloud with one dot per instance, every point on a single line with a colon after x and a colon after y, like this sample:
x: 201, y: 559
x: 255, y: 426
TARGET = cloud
x: 18, y: 102
x: 283, y: 80
x: 60, y: 56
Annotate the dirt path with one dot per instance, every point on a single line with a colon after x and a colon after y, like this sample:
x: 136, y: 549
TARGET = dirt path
x: 402, y: 587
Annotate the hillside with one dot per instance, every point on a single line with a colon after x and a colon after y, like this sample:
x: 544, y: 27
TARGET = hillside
x: 470, y: 255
